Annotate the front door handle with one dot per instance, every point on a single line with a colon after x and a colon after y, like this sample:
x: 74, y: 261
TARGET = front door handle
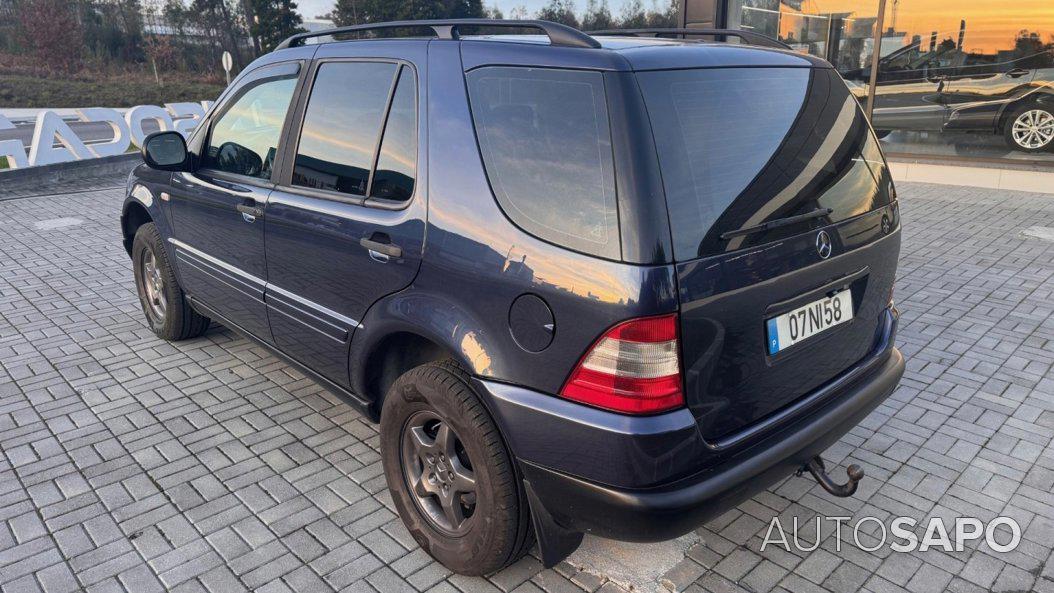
x: 250, y: 213
x: 383, y: 248
x: 1017, y: 72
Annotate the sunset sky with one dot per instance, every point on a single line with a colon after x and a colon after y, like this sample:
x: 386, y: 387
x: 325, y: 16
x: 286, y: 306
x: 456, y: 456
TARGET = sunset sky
x: 990, y: 24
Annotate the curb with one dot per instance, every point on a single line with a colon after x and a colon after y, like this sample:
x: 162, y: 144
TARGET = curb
x: 13, y: 179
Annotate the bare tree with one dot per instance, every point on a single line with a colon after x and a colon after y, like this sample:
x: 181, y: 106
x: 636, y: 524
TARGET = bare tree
x: 493, y: 13
x: 51, y: 32
x: 597, y: 16
x: 664, y: 17
x: 633, y: 15
x: 559, y: 11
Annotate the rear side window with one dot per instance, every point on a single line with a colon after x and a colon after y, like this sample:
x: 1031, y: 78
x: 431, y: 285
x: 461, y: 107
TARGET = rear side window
x: 741, y: 146
x: 341, y: 125
x: 546, y: 146
x: 396, y: 163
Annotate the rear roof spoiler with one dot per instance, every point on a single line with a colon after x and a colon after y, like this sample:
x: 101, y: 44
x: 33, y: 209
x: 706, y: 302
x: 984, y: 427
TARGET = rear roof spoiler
x: 747, y: 36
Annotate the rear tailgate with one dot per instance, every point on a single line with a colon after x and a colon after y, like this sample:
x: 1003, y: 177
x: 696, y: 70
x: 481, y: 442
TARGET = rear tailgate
x: 740, y: 147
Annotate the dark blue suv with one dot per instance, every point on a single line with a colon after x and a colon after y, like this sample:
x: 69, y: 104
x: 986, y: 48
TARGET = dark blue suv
x: 604, y: 284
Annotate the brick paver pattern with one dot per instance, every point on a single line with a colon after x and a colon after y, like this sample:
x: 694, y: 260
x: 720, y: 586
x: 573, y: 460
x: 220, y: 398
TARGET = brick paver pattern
x: 132, y: 464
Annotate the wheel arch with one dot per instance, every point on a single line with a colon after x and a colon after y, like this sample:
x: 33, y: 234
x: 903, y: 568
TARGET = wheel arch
x: 134, y: 216
x: 391, y: 357
x: 408, y: 329
x: 144, y: 195
x: 1043, y: 97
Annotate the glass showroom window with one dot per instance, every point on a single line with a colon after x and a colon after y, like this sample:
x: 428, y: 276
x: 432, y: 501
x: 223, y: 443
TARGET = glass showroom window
x: 955, y: 79
x: 840, y: 31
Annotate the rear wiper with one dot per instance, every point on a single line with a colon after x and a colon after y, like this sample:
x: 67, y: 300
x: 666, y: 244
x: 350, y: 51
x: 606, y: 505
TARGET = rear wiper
x: 772, y: 224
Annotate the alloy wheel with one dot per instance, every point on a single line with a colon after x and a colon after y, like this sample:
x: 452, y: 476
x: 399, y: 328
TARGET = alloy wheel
x: 1033, y: 129
x: 438, y: 473
x: 153, y: 286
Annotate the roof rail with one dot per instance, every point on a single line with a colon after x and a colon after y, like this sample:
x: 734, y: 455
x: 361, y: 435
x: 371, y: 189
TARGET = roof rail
x: 748, y: 36
x: 558, y: 34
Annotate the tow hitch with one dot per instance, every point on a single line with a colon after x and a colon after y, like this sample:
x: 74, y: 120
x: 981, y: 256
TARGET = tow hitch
x: 819, y: 472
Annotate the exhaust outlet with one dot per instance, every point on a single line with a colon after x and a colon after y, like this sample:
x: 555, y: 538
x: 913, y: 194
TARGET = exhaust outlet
x: 819, y: 473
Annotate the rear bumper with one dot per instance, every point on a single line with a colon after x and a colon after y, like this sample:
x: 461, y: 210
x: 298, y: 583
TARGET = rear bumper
x: 667, y: 512
x: 610, y: 475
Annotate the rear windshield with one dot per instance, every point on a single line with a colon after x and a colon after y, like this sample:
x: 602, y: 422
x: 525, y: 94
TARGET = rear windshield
x: 741, y: 146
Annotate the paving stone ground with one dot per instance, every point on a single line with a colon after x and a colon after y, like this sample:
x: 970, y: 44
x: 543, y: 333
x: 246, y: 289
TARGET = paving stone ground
x: 131, y: 464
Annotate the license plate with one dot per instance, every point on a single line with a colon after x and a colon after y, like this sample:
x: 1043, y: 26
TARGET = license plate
x: 805, y: 322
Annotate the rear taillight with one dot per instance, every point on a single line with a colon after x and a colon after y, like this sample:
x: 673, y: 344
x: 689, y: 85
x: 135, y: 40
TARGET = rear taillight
x: 634, y: 368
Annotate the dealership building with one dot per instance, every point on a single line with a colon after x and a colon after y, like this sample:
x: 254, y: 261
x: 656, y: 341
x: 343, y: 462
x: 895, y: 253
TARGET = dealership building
x: 955, y: 80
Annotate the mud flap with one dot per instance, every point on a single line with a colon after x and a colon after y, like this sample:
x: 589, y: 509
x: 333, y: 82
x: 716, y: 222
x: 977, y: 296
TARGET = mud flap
x: 554, y: 542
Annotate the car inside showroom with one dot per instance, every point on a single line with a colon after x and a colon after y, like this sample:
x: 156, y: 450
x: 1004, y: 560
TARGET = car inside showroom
x: 954, y: 80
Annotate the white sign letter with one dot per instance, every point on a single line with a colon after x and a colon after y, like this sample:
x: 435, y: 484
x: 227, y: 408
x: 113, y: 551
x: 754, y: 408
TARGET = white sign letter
x: 12, y: 149
x: 185, y: 116
x: 137, y: 115
x: 49, y: 129
x: 121, y: 137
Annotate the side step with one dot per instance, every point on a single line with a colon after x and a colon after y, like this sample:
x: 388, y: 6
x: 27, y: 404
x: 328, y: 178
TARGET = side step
x: 819, y: 473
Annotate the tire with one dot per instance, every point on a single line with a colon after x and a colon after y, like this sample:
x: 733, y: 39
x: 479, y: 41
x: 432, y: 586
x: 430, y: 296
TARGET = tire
x: 168, y: 313
x: 882, y: 133
x: 1030, y: 128
x: 496, y: 530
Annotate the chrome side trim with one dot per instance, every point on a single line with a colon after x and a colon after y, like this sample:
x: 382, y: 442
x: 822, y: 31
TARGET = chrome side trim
x: 226, y: 279
x: 218, y: 262
x: 341, y: 338
x: 283, y: 296
x: 289, y: 299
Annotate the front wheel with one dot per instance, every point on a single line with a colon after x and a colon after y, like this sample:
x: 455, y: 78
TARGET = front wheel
x: 1030, y: 128
x: 452, y: 479
x: 166, y: 307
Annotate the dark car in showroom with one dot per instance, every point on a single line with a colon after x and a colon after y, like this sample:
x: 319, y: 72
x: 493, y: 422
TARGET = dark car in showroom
x: 940, y: 87
x: 610, y: 285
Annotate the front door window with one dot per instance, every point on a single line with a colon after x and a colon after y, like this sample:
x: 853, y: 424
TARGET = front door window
x: 244, y: 140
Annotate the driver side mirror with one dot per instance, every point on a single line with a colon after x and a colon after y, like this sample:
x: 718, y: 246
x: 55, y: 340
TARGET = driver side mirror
x: 166, y: 151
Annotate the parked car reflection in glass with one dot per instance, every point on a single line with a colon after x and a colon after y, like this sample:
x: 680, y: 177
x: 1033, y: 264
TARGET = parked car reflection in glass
x: 931, y: 85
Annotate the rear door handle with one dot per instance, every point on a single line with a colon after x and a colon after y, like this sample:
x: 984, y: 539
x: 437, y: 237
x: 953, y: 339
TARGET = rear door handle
x: 387, y: 249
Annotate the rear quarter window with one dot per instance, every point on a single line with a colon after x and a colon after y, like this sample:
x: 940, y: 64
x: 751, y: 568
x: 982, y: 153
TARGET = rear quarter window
x: 546, y: 145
